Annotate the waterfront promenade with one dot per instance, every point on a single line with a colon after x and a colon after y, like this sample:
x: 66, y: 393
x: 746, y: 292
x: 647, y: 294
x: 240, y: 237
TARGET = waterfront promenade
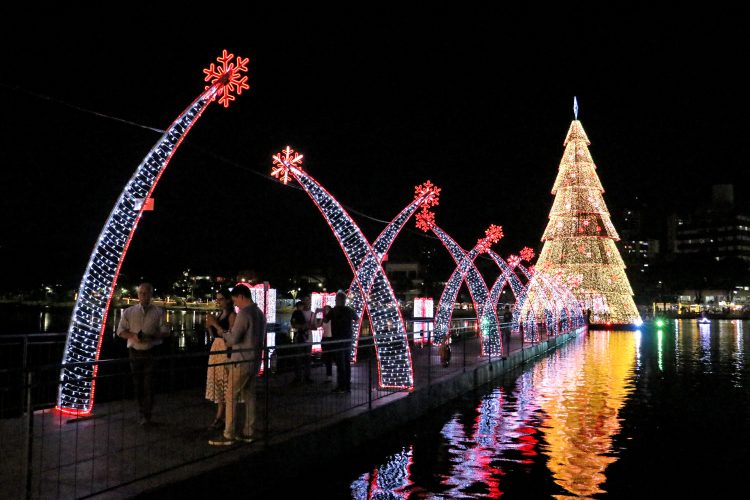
x: 109, y: 454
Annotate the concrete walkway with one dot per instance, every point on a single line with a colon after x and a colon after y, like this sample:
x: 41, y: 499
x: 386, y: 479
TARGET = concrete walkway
x: 109, y: 454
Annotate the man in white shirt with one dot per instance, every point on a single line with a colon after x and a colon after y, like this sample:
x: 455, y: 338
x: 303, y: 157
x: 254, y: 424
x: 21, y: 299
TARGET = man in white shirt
x: 144, y: 326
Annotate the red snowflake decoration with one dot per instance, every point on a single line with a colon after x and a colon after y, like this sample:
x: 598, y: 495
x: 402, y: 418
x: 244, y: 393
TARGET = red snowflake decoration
x: 514, y: 260
x: 492, y: 235
x: 425, y: 220
x: 228, y: 77
x: 431, y: 191
x: 283, y: 162
x: 527, y: 254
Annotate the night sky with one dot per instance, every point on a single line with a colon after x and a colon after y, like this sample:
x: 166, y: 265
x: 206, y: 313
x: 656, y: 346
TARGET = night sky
x: 478, y: 101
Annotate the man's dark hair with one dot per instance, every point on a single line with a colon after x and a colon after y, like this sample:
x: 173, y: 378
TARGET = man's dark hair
x: 298, y: 303
x: 241, y: 290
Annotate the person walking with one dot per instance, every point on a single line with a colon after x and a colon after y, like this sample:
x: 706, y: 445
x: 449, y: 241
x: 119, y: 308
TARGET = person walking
x: 244, y: 338
x: 144, y: 326
x: 302, y: 321
x: 505, y: 329
x: 326, y: 344
x: 342, y: 319
x: 216, y: 375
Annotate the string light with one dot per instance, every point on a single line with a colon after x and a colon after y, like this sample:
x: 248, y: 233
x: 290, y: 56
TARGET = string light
x: 545, y: 299
x: 579, y: 241
x: 425, y: 195
x: 424, y: 311
x: 389, y: 333
x: 507, y: 276
x: 86, y: 330
x: 465, y: 271
x: 318, y: 300
x: 265, y: 298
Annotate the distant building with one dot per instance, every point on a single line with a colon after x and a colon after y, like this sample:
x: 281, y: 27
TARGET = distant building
x: 639, y: 254
x: 718, y: 232
x: 716, y: 301
x: 406, y: 278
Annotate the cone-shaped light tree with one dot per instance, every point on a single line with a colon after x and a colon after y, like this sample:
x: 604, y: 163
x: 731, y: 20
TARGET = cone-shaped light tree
x: 579, y: 242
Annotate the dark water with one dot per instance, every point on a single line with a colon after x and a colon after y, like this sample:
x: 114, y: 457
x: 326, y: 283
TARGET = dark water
x: 19, y: 319
x: 650, y: 414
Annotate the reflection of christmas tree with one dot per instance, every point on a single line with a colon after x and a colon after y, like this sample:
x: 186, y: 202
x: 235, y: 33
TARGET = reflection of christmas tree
x: 579, y: 242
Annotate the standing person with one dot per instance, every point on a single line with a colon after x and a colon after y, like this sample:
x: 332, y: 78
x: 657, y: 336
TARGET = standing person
x: 244, y: 337
x: 342, y: 318
x: 302, y: 321
x: 325, y: 343
x: 144, y: 326
x: 216, y: 376
x: 505, y: 328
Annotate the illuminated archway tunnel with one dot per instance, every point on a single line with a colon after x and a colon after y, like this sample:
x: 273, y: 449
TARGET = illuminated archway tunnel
x: 389, y: 332
x: 86, y: 330
x: 465, y: 271
x: 370, y: 287
x: 425, y: 194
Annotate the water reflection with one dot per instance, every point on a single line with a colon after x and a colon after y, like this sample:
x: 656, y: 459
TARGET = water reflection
x: 388, y: 481
x: 705, y: 345
x: 562, y: 413
x: 660, y: 348
x: 738, y: 357
x: 581, y: 399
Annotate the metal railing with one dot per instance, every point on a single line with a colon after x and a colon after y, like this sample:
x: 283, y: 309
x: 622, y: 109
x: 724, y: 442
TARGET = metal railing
x: 69, y: 457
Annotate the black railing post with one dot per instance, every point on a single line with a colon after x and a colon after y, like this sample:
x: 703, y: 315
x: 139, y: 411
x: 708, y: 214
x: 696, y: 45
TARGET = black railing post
x: 429, y: 357
x: 23, y: 374
x: 369, y: 377
x: 463, y: 335
x: 481, y: 341
x: 30, y: 439
x: 267, y: 385
x: 171, y: 349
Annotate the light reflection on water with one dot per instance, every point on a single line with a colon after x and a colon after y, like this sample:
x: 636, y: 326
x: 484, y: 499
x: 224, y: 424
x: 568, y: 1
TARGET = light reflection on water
x: 597, y: 416
x: 563, y: 412
x: 581, y: 399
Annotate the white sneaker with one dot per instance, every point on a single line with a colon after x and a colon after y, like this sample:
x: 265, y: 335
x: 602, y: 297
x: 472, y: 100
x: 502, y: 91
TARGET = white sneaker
x: 221, y: 441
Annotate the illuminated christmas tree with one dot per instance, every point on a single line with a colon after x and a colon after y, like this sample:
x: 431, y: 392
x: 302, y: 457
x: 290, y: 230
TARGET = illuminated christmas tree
x: 579, y: 242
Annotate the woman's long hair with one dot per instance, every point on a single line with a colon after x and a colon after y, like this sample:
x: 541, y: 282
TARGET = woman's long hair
x: 228, y: 302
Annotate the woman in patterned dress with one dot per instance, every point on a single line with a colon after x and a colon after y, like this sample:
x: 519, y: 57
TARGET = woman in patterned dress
x: 216, y: 379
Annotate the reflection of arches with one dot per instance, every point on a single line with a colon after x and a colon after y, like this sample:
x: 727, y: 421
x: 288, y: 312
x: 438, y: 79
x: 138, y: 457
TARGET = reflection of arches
x: 391, y: 344
x: 78, y: 376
